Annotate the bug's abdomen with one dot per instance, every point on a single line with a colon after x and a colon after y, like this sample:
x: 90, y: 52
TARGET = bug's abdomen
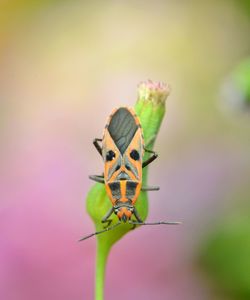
x: 124, y: 191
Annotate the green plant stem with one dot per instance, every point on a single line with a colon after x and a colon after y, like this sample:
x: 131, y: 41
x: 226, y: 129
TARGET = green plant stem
x: 102, y: 252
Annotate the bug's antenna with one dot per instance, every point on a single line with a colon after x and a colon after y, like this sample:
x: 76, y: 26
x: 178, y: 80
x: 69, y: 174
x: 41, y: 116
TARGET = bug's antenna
x: 155, y: 223
x: 98, y: 232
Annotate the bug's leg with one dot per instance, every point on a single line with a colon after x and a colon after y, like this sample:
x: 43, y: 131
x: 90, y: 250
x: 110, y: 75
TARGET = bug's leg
x: 106, y: 219
x: 140, y: 222
x: 134, y: 225
x: 150, y: 188
x: 138, y: 218
x: 152, y: 158
x: 97, y: 178
x: 97, y: 146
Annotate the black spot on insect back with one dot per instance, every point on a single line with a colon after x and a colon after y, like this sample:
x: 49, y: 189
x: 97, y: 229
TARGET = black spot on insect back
x: 134, y: 154
x: 122, y: 128
x: 110, y: 155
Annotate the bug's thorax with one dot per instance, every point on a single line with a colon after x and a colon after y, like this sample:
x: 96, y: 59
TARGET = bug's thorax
x: 126, y: 165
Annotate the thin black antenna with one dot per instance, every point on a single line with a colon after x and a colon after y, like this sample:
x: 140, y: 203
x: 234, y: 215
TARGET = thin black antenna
x: 155, y: 223
x: 98, y: 232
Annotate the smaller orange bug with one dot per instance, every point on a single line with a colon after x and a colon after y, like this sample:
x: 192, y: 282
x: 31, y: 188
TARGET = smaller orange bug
x: 122, y: 151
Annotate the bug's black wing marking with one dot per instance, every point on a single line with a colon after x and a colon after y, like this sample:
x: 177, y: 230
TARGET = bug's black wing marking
x: 122, y: 128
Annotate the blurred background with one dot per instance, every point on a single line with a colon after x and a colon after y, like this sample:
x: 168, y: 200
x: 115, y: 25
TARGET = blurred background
x: 64, y: 65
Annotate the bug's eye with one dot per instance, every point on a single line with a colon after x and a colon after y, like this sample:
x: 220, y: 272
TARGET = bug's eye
x: 110, y: 155
x: 134, y: 154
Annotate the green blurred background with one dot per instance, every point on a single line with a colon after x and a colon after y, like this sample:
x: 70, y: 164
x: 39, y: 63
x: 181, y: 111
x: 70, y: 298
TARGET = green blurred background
x: 64, y: 65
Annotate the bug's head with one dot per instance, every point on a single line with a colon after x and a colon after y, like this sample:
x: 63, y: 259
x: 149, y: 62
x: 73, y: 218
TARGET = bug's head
x: 124, y: 213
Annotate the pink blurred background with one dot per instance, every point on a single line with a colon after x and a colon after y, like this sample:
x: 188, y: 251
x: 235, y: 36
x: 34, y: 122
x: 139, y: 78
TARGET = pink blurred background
x: 64, y: 65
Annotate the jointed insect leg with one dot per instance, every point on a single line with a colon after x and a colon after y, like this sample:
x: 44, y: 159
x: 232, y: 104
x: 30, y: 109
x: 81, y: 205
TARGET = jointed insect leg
x: 137, y: 221
x: 97, y: 178
x: 134, y: 225
x: 106, y: 219
x: 138, y: 218
x: 150, y: 159
x: 96, y: 144
x: 150, y: 188
x: 140, y: 222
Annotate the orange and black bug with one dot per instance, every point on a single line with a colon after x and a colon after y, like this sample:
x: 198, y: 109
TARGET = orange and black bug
x: 122, y: 150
